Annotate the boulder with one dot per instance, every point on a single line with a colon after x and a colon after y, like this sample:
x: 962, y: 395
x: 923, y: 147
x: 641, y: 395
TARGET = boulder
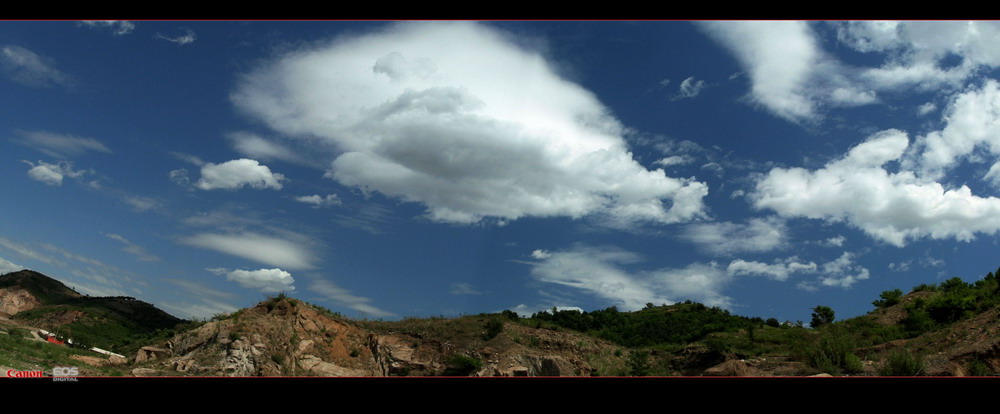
x: 149, y: 353
x: 145, y: 372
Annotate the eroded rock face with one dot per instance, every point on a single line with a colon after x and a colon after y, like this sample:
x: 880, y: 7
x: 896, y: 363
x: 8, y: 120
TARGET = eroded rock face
x: 549, y: 366
x: 14, y: 300
x: 241, y: 359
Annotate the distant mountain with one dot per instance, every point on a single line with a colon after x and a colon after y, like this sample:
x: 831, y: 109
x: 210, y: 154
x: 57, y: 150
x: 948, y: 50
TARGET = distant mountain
x: 46, y: 289
x: 117, y: 323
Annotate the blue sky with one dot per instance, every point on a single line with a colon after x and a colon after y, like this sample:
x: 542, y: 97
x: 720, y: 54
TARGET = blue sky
x: 394, y: 169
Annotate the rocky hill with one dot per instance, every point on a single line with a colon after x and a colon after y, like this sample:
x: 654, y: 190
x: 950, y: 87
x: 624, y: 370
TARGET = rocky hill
x: 288, y: 337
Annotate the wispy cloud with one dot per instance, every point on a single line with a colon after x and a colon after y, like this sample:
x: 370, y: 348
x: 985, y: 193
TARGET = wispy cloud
x: 187, y: 38
x: 28, y: 68
x: 60, y: 145
x: 370, y: 218
x: 261, y: 248
x: 725, y: 238
x: 463, y: 289
x: 690, y: 88
x: 345, y: 298
x: 118, y: 27
x: 29, y: 253
x: 133, y: 249
x: 254, y: 146
x: 604, y: 272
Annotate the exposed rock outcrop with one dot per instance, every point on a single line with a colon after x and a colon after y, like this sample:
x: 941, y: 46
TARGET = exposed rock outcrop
x: 16, y: 299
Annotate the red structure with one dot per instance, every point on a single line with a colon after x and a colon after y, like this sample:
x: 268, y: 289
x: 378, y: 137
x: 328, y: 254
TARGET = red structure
x: 54, y: 340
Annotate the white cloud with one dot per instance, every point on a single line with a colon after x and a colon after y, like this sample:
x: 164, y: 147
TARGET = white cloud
x: 186, y: 38
x: 6, y: 266
x: 600, y: 271
x: 973, y: 121
x: 850, y: 96
x: 60, y: 145
x: 893, y: 207
x: 901, y: 266
x: 780, y: 57
x: 236, y: 174
x: 264, y: 280
x: 795, y: 79
x: 690, y: 88
x: 835, y: 241
x: 725, y: 238
x: 780, y: 270
x: 344, y: 297
x: 457, y: 117
x: 926, y: 108
x: 916, y: 51
x: 180, y: 176
x: 319, y: 201
x: 843, y: 272
x: 269, y: 250
x: 120, y: 27
x: 28, y: 68
x: 540, y: 254
x: 463, y: 289
x: 53, y: 174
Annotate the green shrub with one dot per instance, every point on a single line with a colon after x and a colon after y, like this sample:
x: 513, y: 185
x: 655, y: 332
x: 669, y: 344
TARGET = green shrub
x: 917, y: 321
x: 822, y: 315
x: 853, y: 364
x: 638, y: 363
x: 509, y: 314
x: 460, y: 365
x: 951, y: 307
x: 493, y: 328
x: 888, y: 298
x: 902, y: 364
x: 979, y: 369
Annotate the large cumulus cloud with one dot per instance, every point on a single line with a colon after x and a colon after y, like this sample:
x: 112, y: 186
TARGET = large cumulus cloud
x: 458, y: 117
x: 860, y: 189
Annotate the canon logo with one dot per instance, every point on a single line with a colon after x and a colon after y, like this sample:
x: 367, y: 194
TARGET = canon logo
x: 25, y: 374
